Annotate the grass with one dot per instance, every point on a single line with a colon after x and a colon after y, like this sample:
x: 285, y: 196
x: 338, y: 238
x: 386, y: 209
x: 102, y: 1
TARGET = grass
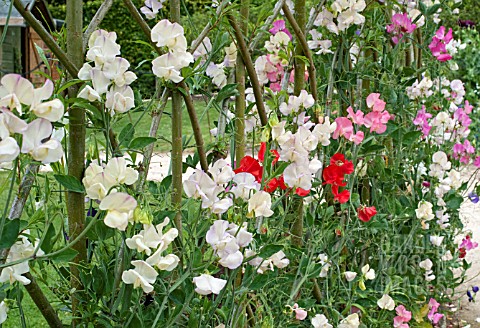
x: 206, y: 117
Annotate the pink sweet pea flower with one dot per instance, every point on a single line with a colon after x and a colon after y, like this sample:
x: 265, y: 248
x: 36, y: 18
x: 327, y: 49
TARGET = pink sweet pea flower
x: 376, y: 121
x: 356, y: 117
x: 477, y: 162
x: 433, y: 316
x: 401, y: 24
x: 439, y: 42
x: 300, y: 313
x: 375, y: 103
x: 279, y: 26
x: 468, y: 107
x: 344, y: 128
x: 357, y: 138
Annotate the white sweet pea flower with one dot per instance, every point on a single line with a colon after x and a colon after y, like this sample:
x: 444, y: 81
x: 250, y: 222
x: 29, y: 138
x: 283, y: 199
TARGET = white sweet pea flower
x: 122, y: 174
x: 424, y: 211
x: 217, y: 73
x: 426, y: 265
x: 386, y: 303
x: 352, y: 321
x: 164, y: 67
x: 120, y: 99
x: 203, y: 49
x: 368, y: 273
x: 323, y: 131
x: 151, y: 8
x: 206, y: 284
x: 170, y: 35
x: 320, y: 321
x: 230, y: 55
x: 9, y: 149
x: 89, y: 93
x: 222, y: 172
x: 439, y: 165
x: 120, y: 207
x: 167, y: 263
x: 51, y: 110
x: 350, y: 275
x: 436, y: 240
x: 298, y: 176
x: 37, y: 142
x: 15, y: 84
x: 3, y: 312
x: 102, y: 47
x: 99, y: 81
x: 325, y: 18
x: 14, y: 273
x: 116, y: 70
x: 245, y: 183
x: 260, y: 204
x: 142, y: 276
x: 200, y: 186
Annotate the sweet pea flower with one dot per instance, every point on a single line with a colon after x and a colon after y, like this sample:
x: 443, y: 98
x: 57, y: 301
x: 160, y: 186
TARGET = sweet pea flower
x: 320, y: 321
x: 3, y: 312
x: 206, y: 284
x: 38, y: 143
x: 279, y: 26
x: 352, y: 321
x: 260, y: 204
x: 365, y: 213
x: 18, y: 86
x: 278, y: 260
x: 300, y: 313
x: 9, y: 149
x: 436, y: 240
x: 350, y: 275
x: 151, y: 8
x: 170, y: 35
x: 368, y: 273
x: 142, y: 276
x: 433, y: 316
x: 401, y: 24
x: 439, y: 42
x: 403, y: 316
x: 119, y: 207
x: 386, y: 303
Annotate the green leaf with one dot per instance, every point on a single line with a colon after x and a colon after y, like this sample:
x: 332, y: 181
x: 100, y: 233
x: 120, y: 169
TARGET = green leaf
x: 141, y: 142
x: 69, y: 182
x: 47, y: 243
x: 10, y: 233
x: 65, y: 256
x: 227, y: 91
x: 455, y: 202
x: 41, y: 53
x: 126, y: 135
x: 410, y: 137
x: 433, y: 9
x: 261, y: 280
x: 269, y: 250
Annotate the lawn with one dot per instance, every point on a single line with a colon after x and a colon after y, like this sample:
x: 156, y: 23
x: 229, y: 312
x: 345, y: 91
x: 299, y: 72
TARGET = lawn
x: 141, y: 120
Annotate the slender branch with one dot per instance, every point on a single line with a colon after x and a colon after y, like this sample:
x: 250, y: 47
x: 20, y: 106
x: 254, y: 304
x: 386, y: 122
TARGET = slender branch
x: 247, y: 59
x: 208, y: 27
x: 23, y: 191
x: 96, y: 21
x: 197, y: 132
x: 147, y: 154
x: 240, y: 102
x: 177, y: 146
x: 266, y: 25
x: 42, y: 302
x: 47, y: 38
x: 306, y: 51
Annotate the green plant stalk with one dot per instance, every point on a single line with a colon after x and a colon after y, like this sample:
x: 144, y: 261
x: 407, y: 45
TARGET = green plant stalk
x: 299, y: 84
x: 240, y: 102
x: 247, y: 59
x: 176, y: 138
x: 76, y: 153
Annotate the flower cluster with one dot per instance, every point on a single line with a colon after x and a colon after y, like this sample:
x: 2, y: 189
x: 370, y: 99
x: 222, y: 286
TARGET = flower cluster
x: 334, y: 175
x: 439, y: 43
x: 346, y: 12
x: 151, y: 8
x: 171, y: 36
x: 39, y: 139
x: 100, y: 183
x: 402, y: 318
x: 22, y: 249
x: 151, y: 237
x: 109, y: 75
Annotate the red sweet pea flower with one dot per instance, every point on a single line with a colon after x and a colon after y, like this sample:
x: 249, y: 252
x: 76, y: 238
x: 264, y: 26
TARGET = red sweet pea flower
x: 261, y: 153
x: 275, y: 183
x: 342, y: 165
x: 342, y: 197
x: 302, y: 192
x: 365, y: 214
x: 250, y: 165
